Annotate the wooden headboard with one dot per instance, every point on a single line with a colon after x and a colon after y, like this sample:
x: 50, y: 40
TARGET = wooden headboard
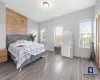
x: 15, y: 23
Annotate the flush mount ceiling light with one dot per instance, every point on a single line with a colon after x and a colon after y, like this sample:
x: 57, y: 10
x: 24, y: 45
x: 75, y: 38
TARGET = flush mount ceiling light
x: 46, y: 4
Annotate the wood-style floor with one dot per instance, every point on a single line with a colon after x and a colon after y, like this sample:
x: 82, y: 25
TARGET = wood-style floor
x: 53, y: 67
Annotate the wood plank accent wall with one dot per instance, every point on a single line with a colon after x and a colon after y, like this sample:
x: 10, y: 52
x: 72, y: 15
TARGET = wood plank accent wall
x: 15, y: 23
x: 98, y: 40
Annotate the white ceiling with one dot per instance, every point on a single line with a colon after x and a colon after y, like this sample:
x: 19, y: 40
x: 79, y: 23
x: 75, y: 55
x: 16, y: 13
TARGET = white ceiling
x: 34, y: 9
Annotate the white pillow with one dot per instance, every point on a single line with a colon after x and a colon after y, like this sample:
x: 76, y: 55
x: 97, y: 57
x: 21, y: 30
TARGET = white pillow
x: 21, y: 41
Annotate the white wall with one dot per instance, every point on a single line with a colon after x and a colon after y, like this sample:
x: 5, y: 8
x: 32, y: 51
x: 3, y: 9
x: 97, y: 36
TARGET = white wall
x: 33, y: 28
x: 97, y: 7
x: 2, y: 26
x: 71, y: 22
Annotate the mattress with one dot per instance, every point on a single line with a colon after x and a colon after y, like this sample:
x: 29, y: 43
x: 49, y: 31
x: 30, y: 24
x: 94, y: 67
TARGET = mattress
x: 30, y: 60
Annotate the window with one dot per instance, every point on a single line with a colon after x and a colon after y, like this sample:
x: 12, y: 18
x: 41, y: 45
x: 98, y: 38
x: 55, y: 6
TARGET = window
x: 43, y: 35
x: 85, y: 33
x: 58, y: 35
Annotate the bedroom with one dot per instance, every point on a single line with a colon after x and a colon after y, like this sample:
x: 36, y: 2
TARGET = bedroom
x: 19, y: 18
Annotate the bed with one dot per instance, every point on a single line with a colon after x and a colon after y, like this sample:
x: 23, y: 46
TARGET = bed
x: 21, y: 50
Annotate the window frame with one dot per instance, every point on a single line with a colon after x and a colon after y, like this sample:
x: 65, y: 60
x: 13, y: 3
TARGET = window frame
x: 55, y: 32
x: 42, y: 36
x: 91, y: 31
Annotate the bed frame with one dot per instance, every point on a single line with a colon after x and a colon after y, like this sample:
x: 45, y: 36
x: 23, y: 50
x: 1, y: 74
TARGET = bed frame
x: 13, y: 38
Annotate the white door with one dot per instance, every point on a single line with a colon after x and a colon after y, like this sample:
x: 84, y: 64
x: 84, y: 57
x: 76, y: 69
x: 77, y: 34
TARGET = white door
x: 67, y: 44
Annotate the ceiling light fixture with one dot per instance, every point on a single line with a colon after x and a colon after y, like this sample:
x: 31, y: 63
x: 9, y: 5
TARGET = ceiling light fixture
x: 46, y: 4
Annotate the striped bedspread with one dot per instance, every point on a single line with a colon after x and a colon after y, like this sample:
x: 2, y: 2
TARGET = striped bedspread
x: 22, y: 50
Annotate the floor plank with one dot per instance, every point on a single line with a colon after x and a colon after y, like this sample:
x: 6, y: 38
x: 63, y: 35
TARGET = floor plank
x: 52, y: 67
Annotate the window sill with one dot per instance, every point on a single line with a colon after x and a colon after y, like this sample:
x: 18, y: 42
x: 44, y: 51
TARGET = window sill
x: 84, y: 47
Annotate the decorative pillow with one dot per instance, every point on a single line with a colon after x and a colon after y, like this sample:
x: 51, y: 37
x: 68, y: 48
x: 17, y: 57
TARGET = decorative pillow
x: 21, y: 41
